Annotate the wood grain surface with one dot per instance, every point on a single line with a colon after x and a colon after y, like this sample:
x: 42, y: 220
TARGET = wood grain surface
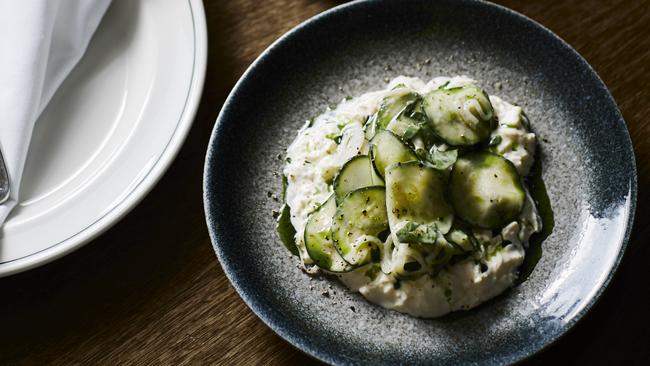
x: 150, y: 290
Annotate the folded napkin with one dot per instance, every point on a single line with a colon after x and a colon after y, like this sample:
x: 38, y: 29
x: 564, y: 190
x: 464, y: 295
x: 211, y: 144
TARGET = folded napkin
x: 40, y: 42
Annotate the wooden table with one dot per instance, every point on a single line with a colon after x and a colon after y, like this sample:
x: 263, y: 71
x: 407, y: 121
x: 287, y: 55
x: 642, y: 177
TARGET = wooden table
x: 150, y: 290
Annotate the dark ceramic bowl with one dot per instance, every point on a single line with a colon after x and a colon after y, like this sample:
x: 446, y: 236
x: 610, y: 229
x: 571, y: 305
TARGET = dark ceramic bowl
x: 586, y: 151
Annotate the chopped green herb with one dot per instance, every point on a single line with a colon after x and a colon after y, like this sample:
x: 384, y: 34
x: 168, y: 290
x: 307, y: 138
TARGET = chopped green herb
x: 413, y: 232
x: 440, y: 159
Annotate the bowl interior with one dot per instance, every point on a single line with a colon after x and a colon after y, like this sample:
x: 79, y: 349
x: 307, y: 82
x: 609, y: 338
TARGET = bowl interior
x: 584, y: 145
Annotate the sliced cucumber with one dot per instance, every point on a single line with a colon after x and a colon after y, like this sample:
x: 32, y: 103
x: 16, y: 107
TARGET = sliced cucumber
x: 371, y: 128
x: 387, y: 149
x: 318, y: 239
x: 394, y: 104
x: 356, y: 173
x: 416, y: 193
x: 462, y: 240
x: 486, y: 190
x: 358, y: 221
x: 443, y: 252
x: 460, y: 116
x: 411, y: 122
x: 353, y: 142
x: 404, y: 127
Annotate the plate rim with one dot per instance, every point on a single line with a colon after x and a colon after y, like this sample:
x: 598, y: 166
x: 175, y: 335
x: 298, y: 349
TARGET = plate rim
x: 285, y: 332
x: 138, y: 193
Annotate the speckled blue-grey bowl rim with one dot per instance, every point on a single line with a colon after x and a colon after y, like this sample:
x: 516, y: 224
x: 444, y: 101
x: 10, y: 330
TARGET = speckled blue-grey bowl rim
x: 285, y: 330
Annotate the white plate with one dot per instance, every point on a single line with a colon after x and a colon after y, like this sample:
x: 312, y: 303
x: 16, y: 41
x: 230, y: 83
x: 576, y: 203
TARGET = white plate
x: 111, y: 131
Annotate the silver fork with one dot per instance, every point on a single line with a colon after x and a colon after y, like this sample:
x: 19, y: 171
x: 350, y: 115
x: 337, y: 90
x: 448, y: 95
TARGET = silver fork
x: 4, y: 180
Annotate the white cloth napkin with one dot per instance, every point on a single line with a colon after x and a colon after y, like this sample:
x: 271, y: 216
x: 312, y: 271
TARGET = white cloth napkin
x: 40, y: 42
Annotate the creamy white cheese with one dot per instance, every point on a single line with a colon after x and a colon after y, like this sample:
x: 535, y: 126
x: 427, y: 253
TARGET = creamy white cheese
x: 463, y: 285
x: 314, y: 158
x: 517, y: 143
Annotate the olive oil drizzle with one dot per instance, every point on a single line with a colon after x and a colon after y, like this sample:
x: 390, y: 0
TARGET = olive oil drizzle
x: 540, y: 196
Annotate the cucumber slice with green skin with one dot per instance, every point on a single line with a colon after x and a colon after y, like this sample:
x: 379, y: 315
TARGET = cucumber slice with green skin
x: 411, y: 121
x: 404, y: 127
x: 486, y: 190
x: 394, y: 104
x: 358, y: 221
x: 461, y: 116
x: 356, y: 173
x: 416, y: 193
x: 387, y: 149
x: 318, y: 239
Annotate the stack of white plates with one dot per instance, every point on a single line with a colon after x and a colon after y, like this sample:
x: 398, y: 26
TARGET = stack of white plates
x: 111, y: 131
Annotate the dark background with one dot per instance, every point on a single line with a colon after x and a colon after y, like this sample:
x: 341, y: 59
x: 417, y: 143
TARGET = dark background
x: 150, y: 290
